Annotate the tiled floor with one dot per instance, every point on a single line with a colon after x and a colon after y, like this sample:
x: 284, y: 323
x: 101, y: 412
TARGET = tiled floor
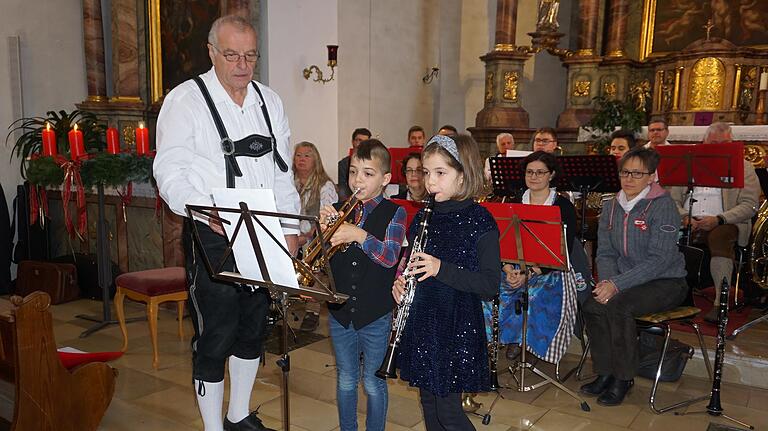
x: 164, y: 399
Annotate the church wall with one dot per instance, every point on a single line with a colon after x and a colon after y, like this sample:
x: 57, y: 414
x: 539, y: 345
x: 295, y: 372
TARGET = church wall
x: 52, y: 66
x: 298, y: 32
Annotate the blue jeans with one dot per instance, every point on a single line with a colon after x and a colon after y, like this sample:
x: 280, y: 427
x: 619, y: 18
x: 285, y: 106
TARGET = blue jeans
x: 348, y: 343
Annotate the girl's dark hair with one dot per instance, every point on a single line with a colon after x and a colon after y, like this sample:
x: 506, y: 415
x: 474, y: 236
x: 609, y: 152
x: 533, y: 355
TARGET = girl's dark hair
x: 648, y: 157
x: 549, y: 160
x: 626, y: 135
x: 408, y: 158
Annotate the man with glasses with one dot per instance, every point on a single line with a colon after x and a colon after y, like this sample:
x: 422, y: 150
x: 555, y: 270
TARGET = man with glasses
x: 545, y: 139
x: 222, y: 129
x: 658, y: 131
x: 721, y: 217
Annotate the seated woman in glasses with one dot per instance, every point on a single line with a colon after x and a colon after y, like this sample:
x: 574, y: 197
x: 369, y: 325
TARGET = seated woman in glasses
x: 414, y: 179
x: 547, y: 337
x: 640, y: 269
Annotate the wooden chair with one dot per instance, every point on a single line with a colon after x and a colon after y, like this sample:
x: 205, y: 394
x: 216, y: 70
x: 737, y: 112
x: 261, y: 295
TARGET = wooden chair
x: 48, y: 397
x: 152, y: 287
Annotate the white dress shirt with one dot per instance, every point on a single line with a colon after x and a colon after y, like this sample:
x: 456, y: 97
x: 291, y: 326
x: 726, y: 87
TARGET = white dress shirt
x: 709, y: 201
x: 190, y: 162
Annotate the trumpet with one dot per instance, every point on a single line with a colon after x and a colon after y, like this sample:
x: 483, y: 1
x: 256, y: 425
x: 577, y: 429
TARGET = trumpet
x: 387, y: 368
x: 314, y: 260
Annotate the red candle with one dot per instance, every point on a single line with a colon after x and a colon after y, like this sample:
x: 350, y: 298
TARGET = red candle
x: 113, y: 141
x: 49, y: 141
x: 142, y: 139
x: 76, y: 146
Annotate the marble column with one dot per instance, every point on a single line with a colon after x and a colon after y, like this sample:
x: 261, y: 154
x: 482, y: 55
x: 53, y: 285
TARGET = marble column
x: 93, y: 42
x: 588, y: 14
x: 506, y: 23
x: 618, y: 15
x: 125, y: 52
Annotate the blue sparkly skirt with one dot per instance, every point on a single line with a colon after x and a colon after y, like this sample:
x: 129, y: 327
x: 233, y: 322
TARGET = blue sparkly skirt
x: 551, y: 315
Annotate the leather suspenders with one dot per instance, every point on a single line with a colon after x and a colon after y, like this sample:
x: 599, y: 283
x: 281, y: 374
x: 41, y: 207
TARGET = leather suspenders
x: 252, y: 145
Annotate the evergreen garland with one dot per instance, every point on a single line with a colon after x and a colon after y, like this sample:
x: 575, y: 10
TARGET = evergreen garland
x: 112, y: 170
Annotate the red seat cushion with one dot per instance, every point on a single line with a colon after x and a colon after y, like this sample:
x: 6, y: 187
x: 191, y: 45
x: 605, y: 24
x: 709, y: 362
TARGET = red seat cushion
x: 154, y: 282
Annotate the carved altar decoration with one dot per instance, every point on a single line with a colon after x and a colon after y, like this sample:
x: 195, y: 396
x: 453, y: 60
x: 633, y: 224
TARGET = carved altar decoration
x: 511, y: 81
x: 547, y: 18
x: 707, y: 86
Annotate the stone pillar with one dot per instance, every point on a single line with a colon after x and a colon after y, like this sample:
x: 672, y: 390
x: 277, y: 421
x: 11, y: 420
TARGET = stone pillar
x: 506, y: 23
x: 93, y: 43
x: 503, y: 74
x: 125, y: 52
x: 617, y: 28
x: 588, y: 14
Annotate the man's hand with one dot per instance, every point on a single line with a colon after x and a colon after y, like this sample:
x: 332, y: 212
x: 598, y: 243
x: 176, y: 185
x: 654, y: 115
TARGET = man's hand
x: 604, y: 291
x: 215, y: 224
x: 292, y: 242
x: 347, y: 233
x: 705, y: 223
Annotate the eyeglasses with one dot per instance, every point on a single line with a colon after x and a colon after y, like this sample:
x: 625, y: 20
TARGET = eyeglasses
x: 535, y: 174
x: 543, y: 141
x: 233, y: 57
x: 416, y: 172
x: 634, y: 174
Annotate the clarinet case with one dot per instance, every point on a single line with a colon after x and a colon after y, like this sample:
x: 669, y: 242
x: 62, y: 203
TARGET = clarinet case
x: 59, y: 280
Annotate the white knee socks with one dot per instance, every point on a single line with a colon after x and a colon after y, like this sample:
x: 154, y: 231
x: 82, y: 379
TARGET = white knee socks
x: 242, y: 374
x: 720, y: 267
x: 210, y: 403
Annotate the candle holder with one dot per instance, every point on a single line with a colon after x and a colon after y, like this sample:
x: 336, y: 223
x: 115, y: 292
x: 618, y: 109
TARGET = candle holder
x: 760, y: 111
x: 333, y: 51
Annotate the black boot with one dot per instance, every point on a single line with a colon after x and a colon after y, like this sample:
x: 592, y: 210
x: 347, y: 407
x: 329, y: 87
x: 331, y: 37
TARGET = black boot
x: 597, y: 386
x: 250, y: 423
x: 615, y: 392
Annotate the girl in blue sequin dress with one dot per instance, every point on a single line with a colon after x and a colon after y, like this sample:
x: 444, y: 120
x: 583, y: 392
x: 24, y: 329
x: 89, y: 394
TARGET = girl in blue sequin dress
x: 443, y: 348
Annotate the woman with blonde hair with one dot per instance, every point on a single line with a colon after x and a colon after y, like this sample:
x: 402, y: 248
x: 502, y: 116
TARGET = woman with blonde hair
x: 315, y: 191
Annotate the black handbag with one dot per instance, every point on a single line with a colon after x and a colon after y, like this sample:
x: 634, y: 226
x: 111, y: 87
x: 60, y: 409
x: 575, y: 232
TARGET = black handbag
x: 678, y: 354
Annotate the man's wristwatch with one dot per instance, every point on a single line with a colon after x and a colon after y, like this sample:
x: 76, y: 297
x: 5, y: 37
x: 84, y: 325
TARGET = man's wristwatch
x: 720, y: 220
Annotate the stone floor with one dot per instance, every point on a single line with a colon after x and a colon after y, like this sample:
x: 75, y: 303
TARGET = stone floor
x: 164, y: 399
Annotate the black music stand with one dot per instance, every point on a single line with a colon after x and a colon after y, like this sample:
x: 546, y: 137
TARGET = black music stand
x: 710, y: 165
x: 507, y: 177
x: 531, y: 250
x: 586, y: 174
x: 249, y: 220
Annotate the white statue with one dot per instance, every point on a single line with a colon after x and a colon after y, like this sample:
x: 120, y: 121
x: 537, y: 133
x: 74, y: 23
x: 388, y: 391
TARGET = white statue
x: 548, y: 15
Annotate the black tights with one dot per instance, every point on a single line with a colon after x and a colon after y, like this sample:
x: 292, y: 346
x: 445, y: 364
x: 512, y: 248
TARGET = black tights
x: 444, y: 413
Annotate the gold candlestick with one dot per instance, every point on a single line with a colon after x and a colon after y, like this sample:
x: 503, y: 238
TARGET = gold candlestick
x: 760, y: 111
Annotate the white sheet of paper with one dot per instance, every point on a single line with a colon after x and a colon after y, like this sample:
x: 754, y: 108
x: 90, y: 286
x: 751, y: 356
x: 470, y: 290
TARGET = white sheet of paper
x: 279, y: 264
x: 517, y: 153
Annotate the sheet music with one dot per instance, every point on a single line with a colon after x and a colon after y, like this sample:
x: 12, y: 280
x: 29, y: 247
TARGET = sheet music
x: 279, y: 264
x: 518, y: 153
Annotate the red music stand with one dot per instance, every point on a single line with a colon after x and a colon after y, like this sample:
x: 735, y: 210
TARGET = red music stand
x: 705, y: 165
x: 530, y: 235
x: 396, y: 156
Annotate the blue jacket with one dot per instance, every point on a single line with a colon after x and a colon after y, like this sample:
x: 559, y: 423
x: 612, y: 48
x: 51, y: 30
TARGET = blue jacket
x: 641, y: 246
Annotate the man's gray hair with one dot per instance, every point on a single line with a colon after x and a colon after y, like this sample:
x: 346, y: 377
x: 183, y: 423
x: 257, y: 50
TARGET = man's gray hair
x: 718, y: 129
x: 240, y: 23
x: 501, y: 136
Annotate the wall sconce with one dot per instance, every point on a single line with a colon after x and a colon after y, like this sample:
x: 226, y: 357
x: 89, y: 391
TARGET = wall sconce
x: 333, y: 51
x: 431, y: 75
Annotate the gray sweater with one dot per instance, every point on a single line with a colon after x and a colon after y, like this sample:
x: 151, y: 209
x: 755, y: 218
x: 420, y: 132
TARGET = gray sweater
x: 641, y: 246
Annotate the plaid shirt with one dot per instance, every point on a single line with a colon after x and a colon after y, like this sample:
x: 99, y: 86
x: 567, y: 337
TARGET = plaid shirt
x: 384, y: 253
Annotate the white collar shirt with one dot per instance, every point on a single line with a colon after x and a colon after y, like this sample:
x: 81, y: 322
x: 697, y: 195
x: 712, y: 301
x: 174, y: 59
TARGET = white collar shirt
x: 190, y: 162
x: 709, y: 201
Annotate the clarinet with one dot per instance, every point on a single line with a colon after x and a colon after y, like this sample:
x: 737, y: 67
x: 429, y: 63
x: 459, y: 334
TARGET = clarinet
x: 493, y: 346
x: 388, y: 369
x: 714, y: 408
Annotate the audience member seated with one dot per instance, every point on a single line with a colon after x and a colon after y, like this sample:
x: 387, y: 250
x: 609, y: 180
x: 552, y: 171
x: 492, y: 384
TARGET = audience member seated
x: 658, y: 130
x: 721, y: 217
x: 549, y: 329
x: 545, y: 139
x: 414, y: 177
x: 640, y: 269
x: 504, y: 142
x: 416, y: 137
x: 358, y: 136
x: 316, y: 190
x: 621, y: 142
x: 447, y: 130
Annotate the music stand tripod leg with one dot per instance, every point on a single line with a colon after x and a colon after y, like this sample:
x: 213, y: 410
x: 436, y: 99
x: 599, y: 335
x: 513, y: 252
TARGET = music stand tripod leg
x: 285, y: 362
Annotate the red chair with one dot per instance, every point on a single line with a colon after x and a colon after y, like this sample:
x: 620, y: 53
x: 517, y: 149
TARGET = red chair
x: 152, y: 287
